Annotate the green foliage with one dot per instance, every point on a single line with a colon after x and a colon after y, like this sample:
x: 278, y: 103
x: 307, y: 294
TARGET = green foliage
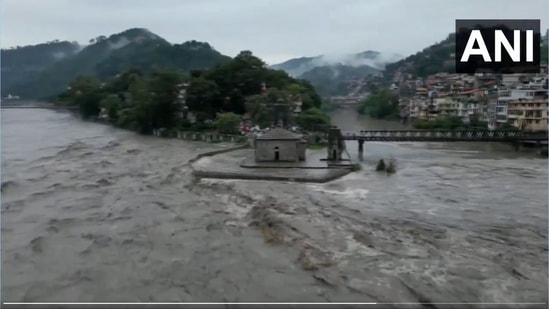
x: 313, y: 119
x: 112, y: 105
x: 242, y: 77
x: 203, y: 96
x: 450, y: 123
x: 257, y: 106
x: 145, y: 102
x: 380, y: 104
x: 356, y: 167
x: 316, y: 146
x: 383, y: 167
x: 507, y: 127
x: 435, y: 59
x: 86, y: 93
x: 380, y: 166
x: 446, y: 123
x: 107, y: 57
x: 391, y: 169
x: 164, y: 85
x: 21, y: 64
x: 227, y: 123
x: 327, y: 106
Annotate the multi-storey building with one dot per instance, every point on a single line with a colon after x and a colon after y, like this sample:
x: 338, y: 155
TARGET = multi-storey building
x: 528, y: 115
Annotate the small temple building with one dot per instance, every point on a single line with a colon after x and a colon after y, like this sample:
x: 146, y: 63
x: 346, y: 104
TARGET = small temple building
x: 280, y: 145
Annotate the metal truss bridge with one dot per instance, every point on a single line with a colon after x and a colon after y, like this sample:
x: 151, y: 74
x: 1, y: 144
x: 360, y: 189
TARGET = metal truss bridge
x: 446, y: 136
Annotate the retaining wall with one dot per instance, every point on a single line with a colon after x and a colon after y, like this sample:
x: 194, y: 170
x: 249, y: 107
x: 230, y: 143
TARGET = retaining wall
x: 225, y: 175
x: 216, y: 152
x: 244, y: 164
x: 210, y: 137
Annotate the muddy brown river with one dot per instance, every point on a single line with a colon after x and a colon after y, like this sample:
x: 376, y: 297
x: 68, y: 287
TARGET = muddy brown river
x: 92, y: 213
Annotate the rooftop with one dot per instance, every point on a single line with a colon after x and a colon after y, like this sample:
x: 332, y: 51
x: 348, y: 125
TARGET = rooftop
x: 279, y: 134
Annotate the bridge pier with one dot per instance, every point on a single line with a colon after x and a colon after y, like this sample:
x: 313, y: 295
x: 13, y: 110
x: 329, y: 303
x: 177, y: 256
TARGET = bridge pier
x: 360, y: 146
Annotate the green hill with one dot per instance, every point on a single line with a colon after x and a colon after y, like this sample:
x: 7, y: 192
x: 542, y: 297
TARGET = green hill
x: 436, y: 58
x: 107, y: 57
x: 433, y: 59
x: 19, y: 64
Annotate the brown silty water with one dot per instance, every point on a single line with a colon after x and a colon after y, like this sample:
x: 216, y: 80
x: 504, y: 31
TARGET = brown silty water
x: 93, y: 213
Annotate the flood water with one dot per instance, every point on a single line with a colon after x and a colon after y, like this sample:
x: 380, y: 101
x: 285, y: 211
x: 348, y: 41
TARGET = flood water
x: 93, y: 213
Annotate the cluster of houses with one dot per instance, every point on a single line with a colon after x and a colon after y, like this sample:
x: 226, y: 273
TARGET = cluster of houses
x: 519, y: 100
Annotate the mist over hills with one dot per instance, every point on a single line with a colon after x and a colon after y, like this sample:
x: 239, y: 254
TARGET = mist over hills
x: 373, y: 59
x: 22, y: 63
x: 104, y: 57
x: 331, y: 73
x: 43, y: 70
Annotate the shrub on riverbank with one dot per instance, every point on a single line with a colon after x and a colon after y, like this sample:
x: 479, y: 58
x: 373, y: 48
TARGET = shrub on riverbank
x: 356, y: 167
x: 391, y: 169
x: 381, y: 104
x: 388, y: 168
x: 449, y: 123
x: 316, y: 146
x: 380, y: 166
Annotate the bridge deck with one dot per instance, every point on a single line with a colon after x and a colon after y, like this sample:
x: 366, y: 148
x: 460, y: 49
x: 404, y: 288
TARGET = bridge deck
x: 446, y: 136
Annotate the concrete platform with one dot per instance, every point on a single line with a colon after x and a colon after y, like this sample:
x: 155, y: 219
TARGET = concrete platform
x: 228, y: 166
x: 316, y: 159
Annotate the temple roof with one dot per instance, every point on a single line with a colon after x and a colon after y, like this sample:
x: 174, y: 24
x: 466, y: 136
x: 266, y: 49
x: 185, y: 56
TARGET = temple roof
x: 279, y: 134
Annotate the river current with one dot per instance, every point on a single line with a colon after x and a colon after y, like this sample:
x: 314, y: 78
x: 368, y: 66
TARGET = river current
x: 94, y: 213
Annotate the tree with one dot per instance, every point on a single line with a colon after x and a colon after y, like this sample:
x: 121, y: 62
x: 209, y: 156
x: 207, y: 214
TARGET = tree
x: 313, y: 119
x: 85, y: 92
x: 260, y: 113
x: 143, y: 100
x: 381, y: 104
x: 112, y: 104
x: 447, y: 122
x: 164, y: 87
x: 227, y: 123
x: 203, y: 96
x: 139, y: 116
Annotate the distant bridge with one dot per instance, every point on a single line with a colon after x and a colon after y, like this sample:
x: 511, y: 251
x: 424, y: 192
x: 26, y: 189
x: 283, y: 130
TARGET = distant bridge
x: 345, y: 101
x: 446, y: 136
x: 516, y: 137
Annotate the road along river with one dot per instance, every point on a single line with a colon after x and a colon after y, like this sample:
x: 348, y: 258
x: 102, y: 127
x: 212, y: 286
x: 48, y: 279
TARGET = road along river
x: 93, y: 213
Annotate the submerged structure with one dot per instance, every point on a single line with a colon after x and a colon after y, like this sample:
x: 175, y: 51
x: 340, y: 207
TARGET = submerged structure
x: 336, y: 144
x: 280, y: 145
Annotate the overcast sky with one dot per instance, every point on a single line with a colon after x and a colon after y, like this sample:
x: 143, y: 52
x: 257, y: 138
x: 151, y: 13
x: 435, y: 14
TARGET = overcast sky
x: 274, y: 30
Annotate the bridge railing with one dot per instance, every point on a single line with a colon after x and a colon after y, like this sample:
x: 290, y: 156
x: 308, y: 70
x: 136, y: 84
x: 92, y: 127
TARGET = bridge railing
x: 444, y: 135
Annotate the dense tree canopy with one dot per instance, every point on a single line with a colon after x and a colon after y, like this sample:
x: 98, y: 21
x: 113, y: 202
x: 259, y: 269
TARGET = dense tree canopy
x: 380, y: 104
x: 21, y: 64
x: 145, y: 102
x: 313, y: 119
